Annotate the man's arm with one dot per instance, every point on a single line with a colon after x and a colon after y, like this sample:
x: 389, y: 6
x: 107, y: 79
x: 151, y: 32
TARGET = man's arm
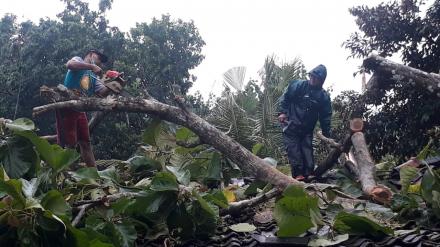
x: 287, y: 97
x: 76, y: 63
x: 325, y: 116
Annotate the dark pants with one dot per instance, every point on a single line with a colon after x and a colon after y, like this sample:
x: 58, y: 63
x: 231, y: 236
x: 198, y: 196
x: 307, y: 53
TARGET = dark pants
x: 300, y: 153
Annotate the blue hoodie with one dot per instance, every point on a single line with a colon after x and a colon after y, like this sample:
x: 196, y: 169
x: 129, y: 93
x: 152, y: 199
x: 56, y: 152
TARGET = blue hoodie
x: 305, y: 104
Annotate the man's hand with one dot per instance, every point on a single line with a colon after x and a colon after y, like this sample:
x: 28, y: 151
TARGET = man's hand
x: 282, y: 118
x: 115, y: 86
x: 96, y: 69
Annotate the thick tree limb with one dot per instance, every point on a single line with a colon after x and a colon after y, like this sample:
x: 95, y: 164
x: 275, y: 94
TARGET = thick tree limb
x: 387, y: 72
x: 206, y: 132
x: 366, y: 171
x: 235, y: 208
x: 332, y: 157
x: 329, y: 141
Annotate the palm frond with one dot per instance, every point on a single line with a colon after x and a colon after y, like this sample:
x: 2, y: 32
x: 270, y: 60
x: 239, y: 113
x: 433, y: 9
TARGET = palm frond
x: 235, y: 77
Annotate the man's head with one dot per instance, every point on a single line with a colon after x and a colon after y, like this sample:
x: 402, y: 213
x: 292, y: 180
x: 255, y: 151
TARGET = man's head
x: 318, y: 75
x: 95, y: 57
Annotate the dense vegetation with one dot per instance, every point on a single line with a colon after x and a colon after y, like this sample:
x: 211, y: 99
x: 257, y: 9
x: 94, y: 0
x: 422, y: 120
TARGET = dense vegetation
x: 154, y: 187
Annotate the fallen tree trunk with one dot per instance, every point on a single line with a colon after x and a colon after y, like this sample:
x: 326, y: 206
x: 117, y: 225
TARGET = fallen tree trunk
x: 365, y: 170
x: 386, y: 72
x: 206, y: 132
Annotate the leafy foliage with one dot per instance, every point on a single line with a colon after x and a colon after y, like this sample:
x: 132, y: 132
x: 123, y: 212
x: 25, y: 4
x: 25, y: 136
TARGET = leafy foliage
x: 399, y: 28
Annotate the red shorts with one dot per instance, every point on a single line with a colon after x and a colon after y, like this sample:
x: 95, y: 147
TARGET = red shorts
x: 72, y: 126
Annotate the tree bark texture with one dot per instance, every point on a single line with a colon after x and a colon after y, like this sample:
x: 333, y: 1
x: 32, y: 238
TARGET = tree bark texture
x: 387, y: 72
x: 366, y: 170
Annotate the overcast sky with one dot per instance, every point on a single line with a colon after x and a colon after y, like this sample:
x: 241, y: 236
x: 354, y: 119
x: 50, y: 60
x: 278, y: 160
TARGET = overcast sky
x: 241, y: 32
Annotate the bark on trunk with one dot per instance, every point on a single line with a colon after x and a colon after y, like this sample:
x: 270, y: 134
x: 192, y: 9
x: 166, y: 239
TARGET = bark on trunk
x: 332, y: 157
x: 366, y: 170
x: 207, y: 133
x: 387, y: 72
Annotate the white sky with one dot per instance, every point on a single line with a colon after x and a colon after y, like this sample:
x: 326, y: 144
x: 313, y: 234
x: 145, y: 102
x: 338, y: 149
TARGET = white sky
x: 241, y: 32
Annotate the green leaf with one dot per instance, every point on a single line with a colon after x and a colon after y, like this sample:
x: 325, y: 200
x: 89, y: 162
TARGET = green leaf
x: 243, y: 227
x: 110, y: 174
x: 400, y: 202
x: 253, y: 188
x: 215, y: 167
x: 425, y: 151
x: 18, y: 156
x: 57, y: 157
x: 218, y: 198
x: 86, y: 175
x: 29, y: 187
x: 142, y: 163
x: 125, y: 233
x: 205, y: 216
x: 359, y: 225
x: 436, y: 203
x: 54, y: 202
x: 13, y: 188
x: 152, y: 132
x: 21, y: 124
x: 407, y: 174
x: 185, y: 135
x: 430, y: 182
x: 180, y: 223
x: 182, y: 175
x: 257, y: 148
x: 328, y: 242
x: 293, y: 212
x: 164, y: 181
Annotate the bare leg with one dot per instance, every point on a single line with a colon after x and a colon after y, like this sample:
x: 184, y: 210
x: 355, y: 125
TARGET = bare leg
x: 87, y: 153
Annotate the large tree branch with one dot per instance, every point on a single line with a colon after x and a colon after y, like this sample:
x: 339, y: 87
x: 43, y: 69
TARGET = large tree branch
x: 206, y: 132
x: 387, y: 72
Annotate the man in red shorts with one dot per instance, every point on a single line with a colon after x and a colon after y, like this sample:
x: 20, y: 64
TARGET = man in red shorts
x: 72, y: 125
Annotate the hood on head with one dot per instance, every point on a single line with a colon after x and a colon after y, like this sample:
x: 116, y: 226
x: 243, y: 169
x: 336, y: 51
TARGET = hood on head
x: 319, y: 71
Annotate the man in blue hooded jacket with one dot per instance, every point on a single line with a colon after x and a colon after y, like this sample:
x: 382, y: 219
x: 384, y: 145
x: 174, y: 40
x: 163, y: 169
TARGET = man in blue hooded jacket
x: 302, y: 104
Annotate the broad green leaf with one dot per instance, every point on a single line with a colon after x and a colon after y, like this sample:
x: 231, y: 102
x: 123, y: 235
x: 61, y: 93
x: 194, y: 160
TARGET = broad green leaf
x: 293, y: 212
x: 29, y: 187
x: 49, y: 222
x: 182, y: 175
x: 436, y: 203
x: 407, y: 174
x: 86, y: 175
x: 253, y: 188
x: 125, y: 233
x: 205, y: 216
x: 142, y: 163
x: 328, y: 242
x: 156, y: 203
x: 57, y: 157
x: 359, y: 225
x: 13, y: 188
x: 21, y: 124
x: 400, y: 202
x: 18, y: 156
x: 430, y: 182
x: 181, y: 223
x: 425, y: 151
x: 164, y: 181
x: 152, y: 132
x: 76, y: 237
x: 218, y: 198
x: 110, y: 174
x: 257, y: 148
x: 215, y: 167
x: 243, y: 227
x: 186, y: 135
x: 54, y: 202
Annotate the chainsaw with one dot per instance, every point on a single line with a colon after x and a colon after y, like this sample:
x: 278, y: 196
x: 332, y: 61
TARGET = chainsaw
x: 109, y: 79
